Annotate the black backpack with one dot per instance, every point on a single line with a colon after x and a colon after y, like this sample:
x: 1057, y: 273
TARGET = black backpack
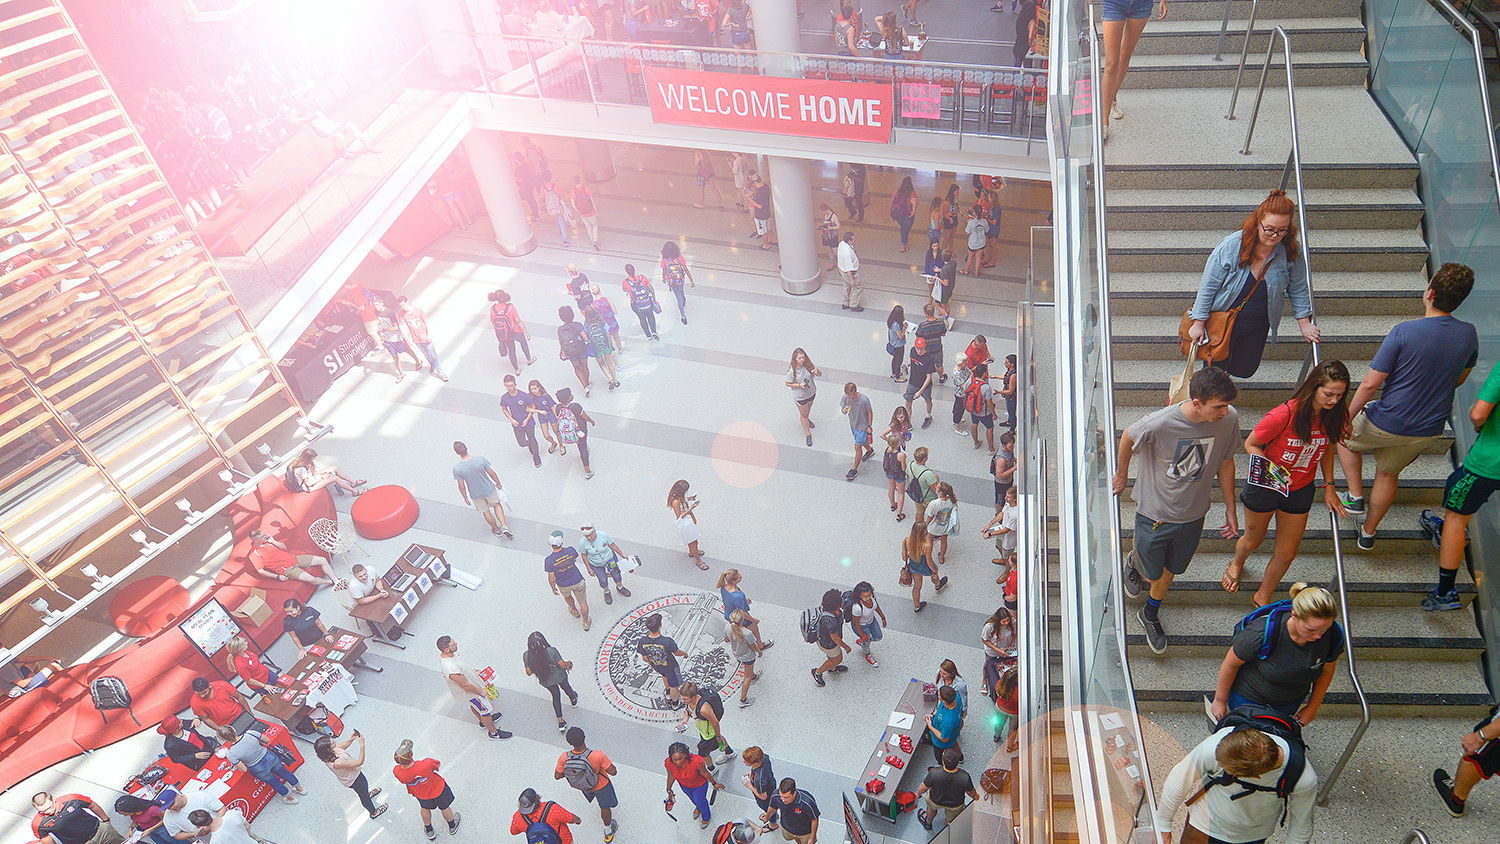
x: 849, y: 607
x: 891, y: 463
x: 714, y: 702
x: 574, y: 343
x: 1272, y: 723
x: 914, y: 486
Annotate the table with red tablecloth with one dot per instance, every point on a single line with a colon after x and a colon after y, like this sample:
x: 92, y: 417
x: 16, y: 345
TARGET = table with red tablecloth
x: 239, y: 789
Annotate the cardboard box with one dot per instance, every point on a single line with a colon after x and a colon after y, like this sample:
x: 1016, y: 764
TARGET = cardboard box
x: 253, y: 611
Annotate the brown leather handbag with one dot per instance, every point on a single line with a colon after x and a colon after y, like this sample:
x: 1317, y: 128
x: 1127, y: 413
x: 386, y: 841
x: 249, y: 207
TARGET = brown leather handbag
x: 1217, y: 328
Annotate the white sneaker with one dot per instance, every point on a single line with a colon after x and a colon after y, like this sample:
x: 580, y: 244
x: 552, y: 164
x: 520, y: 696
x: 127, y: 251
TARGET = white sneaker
x: 1114, y: 111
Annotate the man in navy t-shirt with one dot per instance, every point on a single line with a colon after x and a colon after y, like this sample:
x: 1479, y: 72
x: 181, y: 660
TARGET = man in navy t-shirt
x: 661, y: 652
x: 516, y: 406
x: 1419, y: 364
x: 799, y: 812
x: 564, y: 578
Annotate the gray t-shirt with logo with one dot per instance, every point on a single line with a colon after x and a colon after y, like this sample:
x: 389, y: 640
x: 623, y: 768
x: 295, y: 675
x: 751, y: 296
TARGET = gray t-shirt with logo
x: 1177, y: 462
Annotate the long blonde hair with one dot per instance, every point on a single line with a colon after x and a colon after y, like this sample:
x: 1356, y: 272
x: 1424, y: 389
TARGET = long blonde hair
x: 737, y: 625
x: 1312, y: 602
x: 729, y: 577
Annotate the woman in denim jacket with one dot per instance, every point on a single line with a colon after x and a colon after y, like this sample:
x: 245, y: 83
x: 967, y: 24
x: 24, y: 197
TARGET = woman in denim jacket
x: 1266, y: 249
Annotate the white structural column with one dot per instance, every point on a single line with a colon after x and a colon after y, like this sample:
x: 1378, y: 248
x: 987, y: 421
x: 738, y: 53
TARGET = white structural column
x: 593, y: 154
x: 485, y: 17
x: 775, y: 23
x: 497, y: 187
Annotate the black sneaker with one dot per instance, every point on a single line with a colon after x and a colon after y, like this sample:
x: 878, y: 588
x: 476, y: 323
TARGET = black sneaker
x: 1444, y: 785
x: 1155, y: 636
x: 1365, y: 542
x: 608, y: 598
x: 431, y: 833
x: 818, y: 678
x: 841, y: 668
x: 927, y: 423
x: 1131, y: 579
x: 622, y: 590
x: 453, y: 824
x: 500, y: 735
x: 941, y: 583
x: 1433, y: 602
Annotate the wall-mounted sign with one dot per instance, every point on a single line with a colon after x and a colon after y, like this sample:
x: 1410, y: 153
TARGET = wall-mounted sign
x: 813, y: 108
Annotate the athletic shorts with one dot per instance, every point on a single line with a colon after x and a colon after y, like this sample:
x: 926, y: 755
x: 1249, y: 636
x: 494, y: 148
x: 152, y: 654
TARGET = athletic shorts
x: 605, y: 794
x: 1119, y: 10
x: 987, y: 420
x: 673, y: 679
x: 762, y: 226
x: 807, y: 401
x: 480, y: 704
x: 483, y: 503
x: 1165, y: 546
x: 861, y: 437
x: 398, y: 347
x: 913, y: 390
x: 1258, y: 499
x: 702, y: 181
x: 1393, y: 452
x: 1466, y: 491
x: 1488, y: 757
x: 440, y: 802
x: 831, y: 653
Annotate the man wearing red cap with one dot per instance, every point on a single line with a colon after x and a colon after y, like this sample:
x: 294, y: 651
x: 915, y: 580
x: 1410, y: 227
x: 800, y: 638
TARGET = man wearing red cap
x: 185, y: 745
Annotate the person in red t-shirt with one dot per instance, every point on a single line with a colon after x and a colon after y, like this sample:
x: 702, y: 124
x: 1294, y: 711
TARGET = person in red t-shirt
x: 272, y: 560
x: 1294, y: 436
x: 216, y: 703
x: 423, y: 782
x: 249, y: 667
x: 531, y: 808
x: 414, y: 324
x: 687, y: 770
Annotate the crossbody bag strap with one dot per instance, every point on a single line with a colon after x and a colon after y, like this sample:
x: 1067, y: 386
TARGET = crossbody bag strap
x: 1264, y: 268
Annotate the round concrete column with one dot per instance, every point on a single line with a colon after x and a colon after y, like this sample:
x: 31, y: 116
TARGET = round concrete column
x: 497, y: 187
x: 791, y: 200
x: 775, y: 24
x: 594, y: 156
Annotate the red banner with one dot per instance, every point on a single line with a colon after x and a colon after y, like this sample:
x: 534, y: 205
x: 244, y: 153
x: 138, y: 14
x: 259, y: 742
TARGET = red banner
x: 814, y: 108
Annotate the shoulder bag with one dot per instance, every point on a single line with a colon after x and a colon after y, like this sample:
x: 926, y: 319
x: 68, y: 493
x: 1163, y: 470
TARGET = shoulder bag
x: 1218, y: 326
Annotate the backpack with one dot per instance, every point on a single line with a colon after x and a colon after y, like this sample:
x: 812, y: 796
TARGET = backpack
x: 500, y: 321
x: 914, y: 486
x: 848, y: 187
x: 811, y: 618
x: 974, y: 399
x: 1275, y: 614
x: 673, y: 272
x: 110, y: 693
x: 898, y: 208
x: 640, y: 295
x: 573, y: 343
x: 553, y: 202
x: 724, y: 834
x: 599, y: 337
x: 579, y: 773
x: 714, y: 702
x: 583, y: 201
x: 1272, y: 723
x: 891, y: 463
x: 539, y: 831
x: 848, y: 599
x: 567, y: 425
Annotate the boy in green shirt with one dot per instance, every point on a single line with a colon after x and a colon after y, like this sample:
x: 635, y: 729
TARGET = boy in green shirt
x: 1470, y: 485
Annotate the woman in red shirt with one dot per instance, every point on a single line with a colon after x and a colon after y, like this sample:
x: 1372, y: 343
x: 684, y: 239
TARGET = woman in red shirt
x: 1296, y: 437
x: 686, y: 769
x: 249, y: 667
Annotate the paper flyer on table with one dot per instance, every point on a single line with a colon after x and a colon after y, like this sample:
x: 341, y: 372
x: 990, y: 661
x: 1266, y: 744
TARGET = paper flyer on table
x: 902, y: 720
x: 1264, y: 473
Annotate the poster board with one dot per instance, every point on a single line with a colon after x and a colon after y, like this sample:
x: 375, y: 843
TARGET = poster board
x: 210, y: 628
x: 1043, y: 32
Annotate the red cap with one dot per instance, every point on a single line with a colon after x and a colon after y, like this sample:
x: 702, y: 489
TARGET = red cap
x: 169, y: 725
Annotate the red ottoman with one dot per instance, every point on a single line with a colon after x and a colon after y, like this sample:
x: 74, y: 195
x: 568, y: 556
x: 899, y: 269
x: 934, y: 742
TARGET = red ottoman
x: 147, y: 606
x: 384, y: 512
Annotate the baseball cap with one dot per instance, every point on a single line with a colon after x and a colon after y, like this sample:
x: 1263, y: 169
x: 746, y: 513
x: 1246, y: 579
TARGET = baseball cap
x: 528, y: 801
x: 169, y: 725
x: 556, y: 539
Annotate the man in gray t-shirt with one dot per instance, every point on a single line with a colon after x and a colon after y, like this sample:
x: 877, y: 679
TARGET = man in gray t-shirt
x: 480, y: 487
x: 1183, y: 447
x: 861, y: 418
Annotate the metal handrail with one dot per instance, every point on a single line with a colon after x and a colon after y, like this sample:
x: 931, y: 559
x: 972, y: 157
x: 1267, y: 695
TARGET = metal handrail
x: 1244, y: 53
x: 1415, y: 835
x: 1294, y: 167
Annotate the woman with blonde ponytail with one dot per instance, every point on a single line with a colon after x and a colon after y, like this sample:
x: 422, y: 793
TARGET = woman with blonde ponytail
x: 734, y: 599
x: 747, y: 648
x: 1282, y: 654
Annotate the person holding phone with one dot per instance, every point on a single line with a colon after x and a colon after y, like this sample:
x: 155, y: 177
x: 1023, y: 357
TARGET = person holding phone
x: 346, y: 766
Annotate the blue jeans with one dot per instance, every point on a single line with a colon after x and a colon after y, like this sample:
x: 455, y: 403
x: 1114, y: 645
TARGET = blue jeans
x: 1237, y: 700
x: 905, y: 223
x: 872, y: 634
x: 429, y: 351
x: 604, y: 573
x: 681, y: 294
x: 161, y: 836
x: 562, y: 227
x: 699, y: 796
x: 270, y: 771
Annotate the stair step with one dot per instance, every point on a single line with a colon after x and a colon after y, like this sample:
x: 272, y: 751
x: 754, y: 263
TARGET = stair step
x: 1250, y: 416
x: 1330, y: 249
x: 1213, y: 10
x: 1428, y: 473
x: 1224, y: 210
x: 1144, y: 382
x: 1351, y: 339
x: 1396, y: 294
x: 1308, y: 35
x: 1187, y: 70
x: 1210, y: 627
x: 1398, y: 531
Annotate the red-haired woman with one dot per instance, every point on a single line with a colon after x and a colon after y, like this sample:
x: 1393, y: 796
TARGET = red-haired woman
x: 1259, y: 268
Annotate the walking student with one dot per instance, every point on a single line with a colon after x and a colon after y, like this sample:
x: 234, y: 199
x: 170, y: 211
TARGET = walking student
x: 867, y: 619
x: 848, y: 263
x: 544, y: 410
x: 735, y: 598
x: 861, y: 425
x: 1233, y: 812
x: 1183, y: 448
x: 660, y: 653
x: 573, y: 427
x: 761, y: 781
x: 414, y: 323
x: 893, y: 463
x: 557, y: 207
x: 573, y: 345
x: 800, y: 375
x: 944, y: 788
x: 602, y: 555
x: 1468, y: 487
x: 588, y: 213
x: 831, y: 636
x: 509, y: 329
x: 590, y: 771
x: 517, y: 407
x: 682, y: 506
x: 916, y: 551
x: 480, y: 488
x: 601, y: 346
x: 642, y: 301
x: 798, y: 810
x: 688, y: 770
x: 1417, y: 368
x: 467, y: 687
x: 746, y: 648
x: 704, y: 711
x: 543, y: 662
x: 1480, y: 760
x: 674, y: 272
x: 703, y: 166
x: 542, y: 821
x: 941, y: 516
x: 346, y: 767
x: 895, y: 341
x: 565, y: 580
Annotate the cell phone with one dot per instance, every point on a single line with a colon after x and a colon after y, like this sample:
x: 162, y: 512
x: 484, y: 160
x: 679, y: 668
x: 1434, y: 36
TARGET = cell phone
x: 355, y: 733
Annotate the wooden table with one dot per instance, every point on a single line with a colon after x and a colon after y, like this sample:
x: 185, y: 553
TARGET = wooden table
x: 880, y: 804
x: 387, y: 615
x: 291, y: 711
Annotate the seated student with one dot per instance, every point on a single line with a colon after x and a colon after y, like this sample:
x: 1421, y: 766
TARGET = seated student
x: 1233, y: 813
x: 364, y: 588
x: 23, y: 674
x: 272, y: 560
x: 305, y: 624
x: 183, y: 743
x: 248, y: 667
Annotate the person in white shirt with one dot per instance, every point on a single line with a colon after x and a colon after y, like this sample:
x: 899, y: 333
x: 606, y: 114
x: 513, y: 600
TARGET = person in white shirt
x: 229, y: 826
x: 175, y: 816
x: 849, y: 268
x: 1223, y: 812
x: 364, y: 589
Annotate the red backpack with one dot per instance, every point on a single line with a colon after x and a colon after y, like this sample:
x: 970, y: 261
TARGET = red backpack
x: 974, y: 397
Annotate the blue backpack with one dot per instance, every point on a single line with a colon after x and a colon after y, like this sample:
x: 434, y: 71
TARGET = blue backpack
x: 539, y: 831
x: 1274, y: 614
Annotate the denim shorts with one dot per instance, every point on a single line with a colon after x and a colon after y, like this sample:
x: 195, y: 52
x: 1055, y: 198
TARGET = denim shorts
x: 1118, y: 10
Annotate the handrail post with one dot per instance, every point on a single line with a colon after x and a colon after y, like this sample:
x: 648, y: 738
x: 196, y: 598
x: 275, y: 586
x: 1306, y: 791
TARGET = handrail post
x: 1223, y: 30
x: 1244, y: 52
x: 1265, y: 73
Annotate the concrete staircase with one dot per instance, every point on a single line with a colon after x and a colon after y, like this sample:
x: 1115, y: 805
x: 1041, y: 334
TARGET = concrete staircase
x: 1176, y: 184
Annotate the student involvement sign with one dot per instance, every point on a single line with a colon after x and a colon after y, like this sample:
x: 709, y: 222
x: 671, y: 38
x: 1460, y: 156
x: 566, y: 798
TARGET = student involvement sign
x: 815, y: 108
